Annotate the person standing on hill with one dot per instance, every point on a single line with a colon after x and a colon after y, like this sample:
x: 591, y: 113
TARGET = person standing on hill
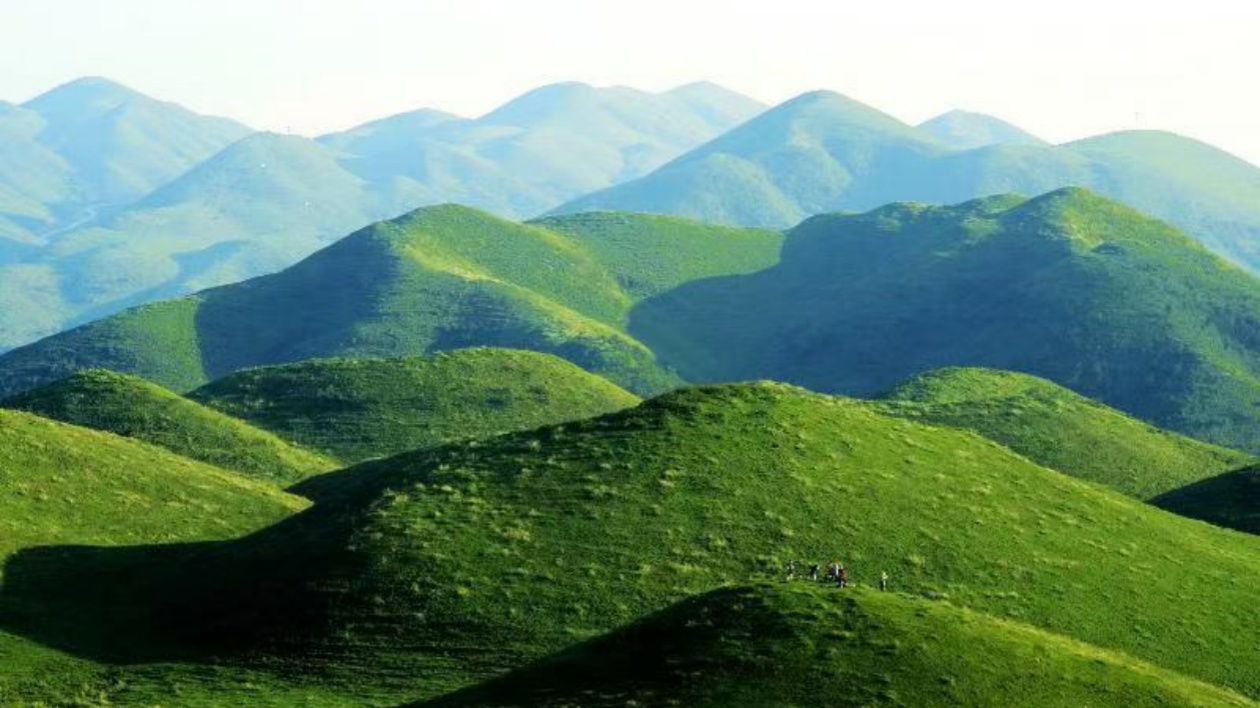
x: 791, y: 570
x: 883, y: 580
x: 833, y: 570
x: 842, y: 577
x: 813, y: 572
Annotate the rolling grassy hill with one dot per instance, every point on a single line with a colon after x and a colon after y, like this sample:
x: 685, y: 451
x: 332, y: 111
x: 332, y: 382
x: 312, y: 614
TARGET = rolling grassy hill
x: 437, y: 279
x: 355, y: 409
x: 1068, y: 286
x: 430, y: 571
x: 1062, y: 430
x: 249, y: 207
x: 774, y: 645
x: 132, y: 407
x: 823, y: 152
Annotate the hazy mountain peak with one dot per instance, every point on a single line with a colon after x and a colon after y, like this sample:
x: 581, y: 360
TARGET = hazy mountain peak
x: 94, y: 91
x: 965, y: 130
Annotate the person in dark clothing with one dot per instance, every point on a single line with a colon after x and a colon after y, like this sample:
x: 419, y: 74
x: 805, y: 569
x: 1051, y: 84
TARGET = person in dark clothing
x: 813, y: 572
x: 842, y: 579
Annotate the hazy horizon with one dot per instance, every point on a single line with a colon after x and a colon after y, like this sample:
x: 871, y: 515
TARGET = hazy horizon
x: 1083, y: 70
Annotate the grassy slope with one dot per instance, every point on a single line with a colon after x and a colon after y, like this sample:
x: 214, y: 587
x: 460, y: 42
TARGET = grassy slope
x: 1062, y: 430
x: 440, y: 278
x: 64, y: 484
x: 772, y: 645
x: 457, y: 563
x: 132, y: 407
x: 1231, y: 499
x: 1068, y: 286
x: 355, y: 409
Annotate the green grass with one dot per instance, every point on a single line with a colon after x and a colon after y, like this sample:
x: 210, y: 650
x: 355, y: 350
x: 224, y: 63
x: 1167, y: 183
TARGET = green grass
x: 132, y: 407
x: 779, y: 645
x: 438, y: 279
x: 1068, y: 286
x: 64, y: 484
x: 1062, y: 430
x: 354, y: 409
x: 431, y: 571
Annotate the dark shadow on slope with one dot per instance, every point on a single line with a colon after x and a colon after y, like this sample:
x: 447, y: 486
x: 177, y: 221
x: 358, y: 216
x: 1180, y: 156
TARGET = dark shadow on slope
x: 1231, y: 500
x: 231, y: 600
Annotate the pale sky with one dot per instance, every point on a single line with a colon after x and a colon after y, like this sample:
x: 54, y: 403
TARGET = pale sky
x: 1061, y: 68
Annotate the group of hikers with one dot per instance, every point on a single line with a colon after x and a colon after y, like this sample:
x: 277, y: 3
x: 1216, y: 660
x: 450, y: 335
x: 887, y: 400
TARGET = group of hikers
x: 836, y: 573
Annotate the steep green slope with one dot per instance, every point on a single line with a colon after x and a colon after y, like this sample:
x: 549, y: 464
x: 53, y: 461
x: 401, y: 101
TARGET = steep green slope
x: 1231, y: 500
x: 773, y: 645
x: 1069, y: 286
x: 1062, y: 430
x: 821, y: 152
x: 426, y: 572
x: 963, y: 130
x: 134, y: 408
x: 354, y: 409
x: 437, y: 279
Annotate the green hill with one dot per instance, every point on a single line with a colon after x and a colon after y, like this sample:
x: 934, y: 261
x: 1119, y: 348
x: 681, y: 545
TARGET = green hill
x: 1231, y: 499
x: 1069, y: 286
x: 1061, y: 430
x: 440, y: 278
x: 355, y: 409
x: 134, y: 408
x: 822, y: 152
x: 780, y: 646
x: 430, y: 571
x: 266, y: 201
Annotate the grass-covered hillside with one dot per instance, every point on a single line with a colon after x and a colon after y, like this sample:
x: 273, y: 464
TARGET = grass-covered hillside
x: 1060, y: 429
x: 354, y: 409
x: 63, y: 484
x: 424, y: 573
x: 440, y: 278
x: 134, y: 408
x: 1068, y: 286
x: 1231, y: 499
x: 823, y: 152
x: 776, y: 646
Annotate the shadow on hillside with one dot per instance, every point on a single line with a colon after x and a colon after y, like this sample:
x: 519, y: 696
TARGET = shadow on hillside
x: 1231, y: 500
x: 140, y: 604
